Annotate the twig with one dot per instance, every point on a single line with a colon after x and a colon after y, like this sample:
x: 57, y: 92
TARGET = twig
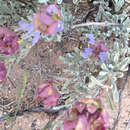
x: 11, y: 82
x: 33, y: 110
x: 120, y: 100
x: 128, y: 125
x: 96, y: 24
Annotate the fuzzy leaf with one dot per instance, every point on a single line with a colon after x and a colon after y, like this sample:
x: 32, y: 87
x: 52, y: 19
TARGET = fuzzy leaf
x: 75, y: 1
x: 104, y: 67
x: 110, y: 101
x: 124, y: 64
x: 115, y: 91
x: 118, y: 74
x: 103, y: 73
x: 118, y: 4
x: 116, y: 57
x: 59, y: 1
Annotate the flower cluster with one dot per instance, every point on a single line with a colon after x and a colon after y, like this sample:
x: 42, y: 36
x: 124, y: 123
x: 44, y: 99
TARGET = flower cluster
x: 2, y: 72
x: 8, y: 41
x: 48, y: 19
x: 47, y: 95
x: 87, y: 114
x: 96, y: 48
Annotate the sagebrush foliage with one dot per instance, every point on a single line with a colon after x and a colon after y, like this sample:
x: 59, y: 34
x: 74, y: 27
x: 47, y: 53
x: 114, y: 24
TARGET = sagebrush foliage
x: 99, y: 75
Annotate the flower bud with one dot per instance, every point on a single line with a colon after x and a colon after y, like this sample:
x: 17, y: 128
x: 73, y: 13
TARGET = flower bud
x: 47, y: 95
x: 47, y: 18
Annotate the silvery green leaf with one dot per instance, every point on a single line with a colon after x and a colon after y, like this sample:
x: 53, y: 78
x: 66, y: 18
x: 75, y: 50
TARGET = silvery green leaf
x: 43, y: 1
x: 109, y: 101
x: 124, y: 68
x: 115, y: 91
x: 104, y: 67
x: 115, y: 95
x: 111, y: 66
x: 124, y: 51
x: 75, y: 1
x: 96, y: 81
x: 128, y: 50
x: 116, y: 57
x: 116, y: 45
x: 9, y: 70
x: 124, y: 64
x: 118, y: 5
x: 57, y: 125
x: 91, y: 84
x: 103, y: 73
x: 119, y: 74
x: 66, y: 84
x: 59, y: 1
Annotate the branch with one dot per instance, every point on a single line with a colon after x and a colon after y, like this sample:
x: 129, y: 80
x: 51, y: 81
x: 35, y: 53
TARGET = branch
x: 120, y: 100
x: 96, y: 24
x: 34, y: 110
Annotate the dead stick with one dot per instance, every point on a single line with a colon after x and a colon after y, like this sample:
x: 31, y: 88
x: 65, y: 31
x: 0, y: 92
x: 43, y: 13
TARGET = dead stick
x: 95, y: 24
x: 120, y: 100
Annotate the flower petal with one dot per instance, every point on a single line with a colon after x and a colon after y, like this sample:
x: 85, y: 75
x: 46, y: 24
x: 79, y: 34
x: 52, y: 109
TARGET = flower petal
x: 51, y: 9
x: 59, y: 26
x: 91, y: 39
x: 102, y: 56
x: 88, y: 52
x: 45, y: 19
x: 25, y: 26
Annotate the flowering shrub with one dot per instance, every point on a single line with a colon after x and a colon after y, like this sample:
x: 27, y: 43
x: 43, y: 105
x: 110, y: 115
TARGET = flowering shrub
x: 8, y: 41
x: 47, y: 95
x: 87, y: 114
x: 2, y: 72
x: 48, y: 19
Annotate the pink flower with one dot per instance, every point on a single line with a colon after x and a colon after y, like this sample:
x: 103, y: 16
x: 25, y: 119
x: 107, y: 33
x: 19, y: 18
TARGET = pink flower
x: 2, y: 72
x: 47, y: 95
x: 8, y: 41
x: 47, y: 18
x: 87, y: 114
x: 97, y: 48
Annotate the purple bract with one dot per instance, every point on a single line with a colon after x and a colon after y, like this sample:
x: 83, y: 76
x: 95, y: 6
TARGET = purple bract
x: 87, y: 114
x: 8, y: 41
x: 47, y: 95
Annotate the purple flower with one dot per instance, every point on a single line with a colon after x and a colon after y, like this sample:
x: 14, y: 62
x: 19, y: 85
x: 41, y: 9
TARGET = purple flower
x: 8, y: 41
x: 91, y: 39
x: 30, y: 31
x: 88, y: 52
x: 97, y: 48
x: 25, y: 26
x: 2, y: 72
x: 51, y: 9
x: 59, y: 26
x: 102, y: 56
x: 36, y: 36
